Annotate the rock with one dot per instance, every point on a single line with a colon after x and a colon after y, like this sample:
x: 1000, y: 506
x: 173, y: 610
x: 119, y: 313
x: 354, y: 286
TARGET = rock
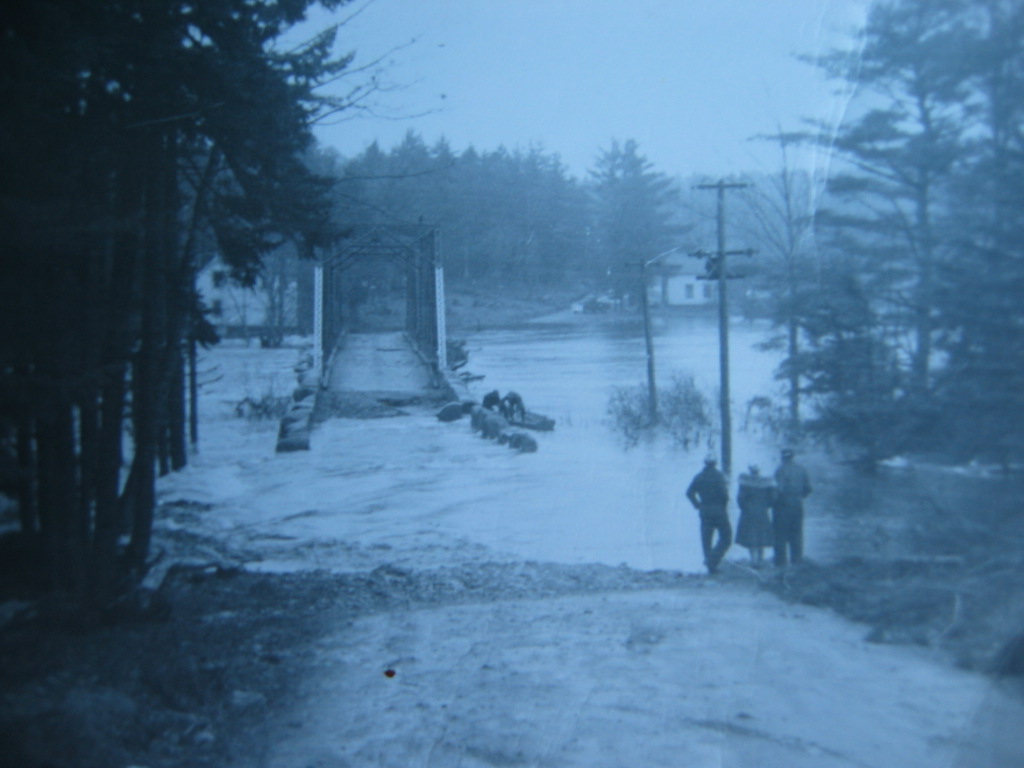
x: 493, y: 425
x: 522, y: 442
x: 451, y: 412
x: 476, y: 418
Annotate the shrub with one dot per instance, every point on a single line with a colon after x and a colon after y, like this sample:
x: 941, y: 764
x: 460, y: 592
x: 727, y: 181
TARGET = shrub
x: 628, y: 408
x: 684, y: 412
x: 267, y: 406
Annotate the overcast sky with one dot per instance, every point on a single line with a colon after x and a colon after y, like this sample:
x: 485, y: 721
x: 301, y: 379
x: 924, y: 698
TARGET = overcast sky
x: 690, y: 80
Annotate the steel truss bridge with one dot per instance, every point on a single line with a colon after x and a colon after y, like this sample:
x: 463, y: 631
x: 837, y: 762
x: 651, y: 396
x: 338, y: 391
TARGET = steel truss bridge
x: 414, y: 246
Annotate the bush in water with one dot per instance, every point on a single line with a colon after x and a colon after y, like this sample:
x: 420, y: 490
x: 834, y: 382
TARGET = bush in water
x: 266, y: 406
x: 628, y: 409
x: 684, y: 412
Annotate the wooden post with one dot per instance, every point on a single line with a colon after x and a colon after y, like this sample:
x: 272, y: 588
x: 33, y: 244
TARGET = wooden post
x: 723, y: 336
x: 652, y: 390
x: 723, y: 320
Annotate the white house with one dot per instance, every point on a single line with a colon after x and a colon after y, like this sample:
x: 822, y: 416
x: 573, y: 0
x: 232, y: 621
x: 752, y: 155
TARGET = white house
x: 682, y: 283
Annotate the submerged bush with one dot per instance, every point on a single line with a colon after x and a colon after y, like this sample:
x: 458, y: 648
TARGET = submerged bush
x: 266, y: 406
x: 684, y: 412
x: 629, y: 409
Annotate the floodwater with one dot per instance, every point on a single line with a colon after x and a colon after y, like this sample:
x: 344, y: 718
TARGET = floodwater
x: 398, y: 485
x: 567, y: 367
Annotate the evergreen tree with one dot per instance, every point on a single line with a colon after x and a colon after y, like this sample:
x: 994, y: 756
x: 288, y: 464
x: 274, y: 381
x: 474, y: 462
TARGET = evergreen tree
x: 892, y: 196
x: 632, y: 212
x: 981, y: 389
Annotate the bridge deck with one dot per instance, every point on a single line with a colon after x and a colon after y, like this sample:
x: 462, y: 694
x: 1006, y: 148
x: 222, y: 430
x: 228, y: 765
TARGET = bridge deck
x: 379, y: 363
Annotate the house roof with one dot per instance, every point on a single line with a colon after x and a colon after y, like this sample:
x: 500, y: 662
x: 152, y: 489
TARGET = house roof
x: 684, y: 264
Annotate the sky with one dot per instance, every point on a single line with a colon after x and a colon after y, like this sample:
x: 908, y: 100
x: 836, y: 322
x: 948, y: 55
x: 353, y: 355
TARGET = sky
x: 691, y: 81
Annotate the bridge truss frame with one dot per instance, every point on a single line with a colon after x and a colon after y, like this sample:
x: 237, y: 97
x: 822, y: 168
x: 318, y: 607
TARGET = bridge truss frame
x: 414, y: 245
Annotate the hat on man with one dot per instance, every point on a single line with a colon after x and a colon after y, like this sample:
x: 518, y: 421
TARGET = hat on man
x: 710, y: 459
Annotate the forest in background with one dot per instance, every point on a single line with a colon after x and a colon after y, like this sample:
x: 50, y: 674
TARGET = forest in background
x: 142, y: 139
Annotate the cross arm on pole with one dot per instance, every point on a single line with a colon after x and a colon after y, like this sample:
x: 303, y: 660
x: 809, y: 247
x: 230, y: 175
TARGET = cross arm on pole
x: 723, y: 185
x: 742, y: 252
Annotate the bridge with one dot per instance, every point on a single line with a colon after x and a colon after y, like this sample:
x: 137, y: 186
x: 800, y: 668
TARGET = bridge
x: 347, y: 356
x: 404, y: 363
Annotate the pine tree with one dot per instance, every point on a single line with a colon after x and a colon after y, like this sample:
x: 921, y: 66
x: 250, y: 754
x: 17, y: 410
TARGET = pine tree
x: 632, y: 213
x: 899, y: 157
x: 981, y: 389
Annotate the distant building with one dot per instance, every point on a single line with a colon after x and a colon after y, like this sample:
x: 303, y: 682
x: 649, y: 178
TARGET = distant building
x: 682, y: 284
x: 279, y: 304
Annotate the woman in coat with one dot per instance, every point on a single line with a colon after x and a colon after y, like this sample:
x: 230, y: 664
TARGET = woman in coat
x: 756, y: 496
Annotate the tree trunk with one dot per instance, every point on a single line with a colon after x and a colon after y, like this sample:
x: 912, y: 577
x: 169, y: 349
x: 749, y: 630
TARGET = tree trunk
x: 148, y: 402
x: 793, y: 343
x: 109, y: 458
x: 177, y: 413
x: 193, y: 395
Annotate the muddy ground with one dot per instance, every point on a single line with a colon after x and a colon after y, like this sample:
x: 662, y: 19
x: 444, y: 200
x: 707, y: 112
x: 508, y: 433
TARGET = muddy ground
x: 190, y: 675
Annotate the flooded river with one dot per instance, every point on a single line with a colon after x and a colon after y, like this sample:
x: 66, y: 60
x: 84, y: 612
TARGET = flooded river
x: 567, y: 368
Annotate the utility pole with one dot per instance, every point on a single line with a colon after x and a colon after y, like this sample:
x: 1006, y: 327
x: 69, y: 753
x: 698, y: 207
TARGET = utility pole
x: 652, y: 390
x: 719, y: 265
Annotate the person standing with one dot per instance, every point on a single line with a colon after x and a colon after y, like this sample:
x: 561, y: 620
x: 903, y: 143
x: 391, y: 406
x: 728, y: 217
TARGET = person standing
x: 709, y: 494
x: 793, y: 486
x: 755, y: 498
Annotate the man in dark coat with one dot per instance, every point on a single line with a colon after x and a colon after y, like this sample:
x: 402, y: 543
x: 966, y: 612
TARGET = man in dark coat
x: 793, y: 486
x: 709, y: 493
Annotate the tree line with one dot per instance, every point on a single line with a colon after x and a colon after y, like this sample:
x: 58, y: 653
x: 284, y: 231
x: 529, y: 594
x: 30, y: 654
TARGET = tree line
x: 515, y: 218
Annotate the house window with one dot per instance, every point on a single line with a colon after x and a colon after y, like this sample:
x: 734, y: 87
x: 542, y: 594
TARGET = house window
x: 708, y: 292
x: 689, y: 291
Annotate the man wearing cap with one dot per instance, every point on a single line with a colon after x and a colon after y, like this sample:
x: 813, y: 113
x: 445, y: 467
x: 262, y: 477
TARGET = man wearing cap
x: 709, y: 493
x: 793, y: 486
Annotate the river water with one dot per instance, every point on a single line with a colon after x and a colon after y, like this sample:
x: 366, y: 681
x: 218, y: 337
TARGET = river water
x: 566, y: 367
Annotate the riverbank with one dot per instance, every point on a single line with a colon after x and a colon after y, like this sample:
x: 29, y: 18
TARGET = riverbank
x: 500, y: 663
